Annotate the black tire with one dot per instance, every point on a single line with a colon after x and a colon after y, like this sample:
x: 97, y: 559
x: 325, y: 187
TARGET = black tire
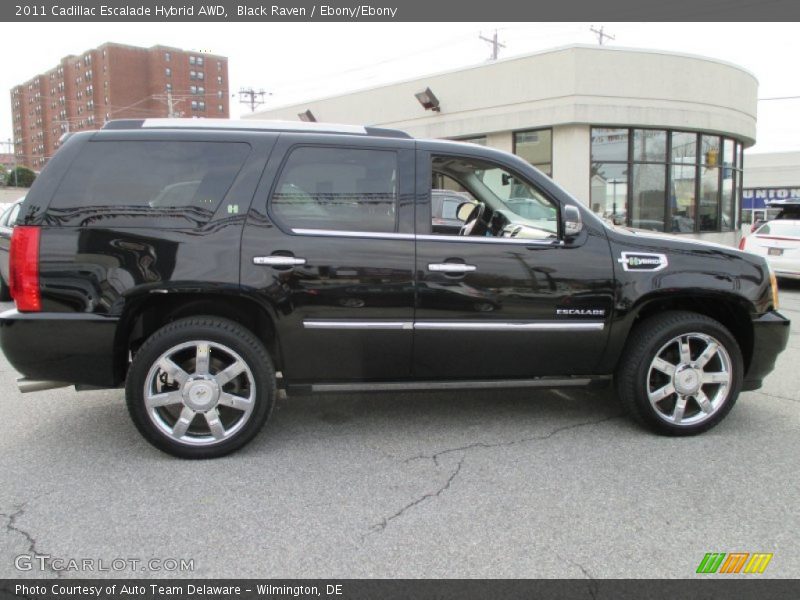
x: 259, y: 381
x: 636, y: 373
x: 5, y: 292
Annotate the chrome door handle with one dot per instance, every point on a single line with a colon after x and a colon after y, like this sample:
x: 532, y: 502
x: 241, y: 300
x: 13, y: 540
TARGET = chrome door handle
x: 451, y: 268
x: 278, y: 261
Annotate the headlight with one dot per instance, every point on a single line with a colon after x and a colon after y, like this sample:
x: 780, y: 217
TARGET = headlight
x: 773, y: 281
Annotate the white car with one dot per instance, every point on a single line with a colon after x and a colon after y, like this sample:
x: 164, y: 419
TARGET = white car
x: 779, y: 242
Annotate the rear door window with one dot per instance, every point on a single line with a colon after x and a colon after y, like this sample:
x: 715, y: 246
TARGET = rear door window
x: 147, y: 183
x: 339, y: 189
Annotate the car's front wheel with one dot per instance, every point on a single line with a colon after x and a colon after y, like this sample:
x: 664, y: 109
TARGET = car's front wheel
x: 200, y: 387
x: 680, y: 374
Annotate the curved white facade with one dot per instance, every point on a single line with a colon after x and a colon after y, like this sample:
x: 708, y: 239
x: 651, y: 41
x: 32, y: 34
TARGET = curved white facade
x: 567, y: 90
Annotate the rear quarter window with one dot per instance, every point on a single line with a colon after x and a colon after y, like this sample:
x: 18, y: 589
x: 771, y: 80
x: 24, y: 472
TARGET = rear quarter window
x: 162, y: 184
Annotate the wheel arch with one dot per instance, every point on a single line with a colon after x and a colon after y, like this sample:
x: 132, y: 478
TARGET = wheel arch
x: 148, y: 314
x: 730, y: 310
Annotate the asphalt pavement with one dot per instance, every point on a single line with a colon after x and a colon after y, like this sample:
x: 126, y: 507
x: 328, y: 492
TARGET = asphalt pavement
x: 461, y: 484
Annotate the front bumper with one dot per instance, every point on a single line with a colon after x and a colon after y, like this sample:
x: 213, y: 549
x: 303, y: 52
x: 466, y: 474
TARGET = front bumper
x: 75, y: 348
x: 770, y: 336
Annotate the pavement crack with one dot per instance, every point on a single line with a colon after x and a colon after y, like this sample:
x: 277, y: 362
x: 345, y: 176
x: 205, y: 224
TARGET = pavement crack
x: 591, y: 581
x: 13, y: 528
x: 536, y: 438
x: 776, y: 396
x: 384, y: 523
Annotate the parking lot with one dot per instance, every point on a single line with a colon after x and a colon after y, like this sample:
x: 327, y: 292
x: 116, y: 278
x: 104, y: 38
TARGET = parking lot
x: 469, y: 484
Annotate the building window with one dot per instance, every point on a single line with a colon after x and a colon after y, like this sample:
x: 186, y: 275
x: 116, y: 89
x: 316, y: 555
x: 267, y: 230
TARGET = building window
x: 199, y: 61
x: 536, y: 147
x: 673, y: 181
x: 168, y: 72
x: 169, y: 87
x: 219, y: 79
x: 201, y: 75
x: 192, y: 89
x: 220, y: 108
x: 192, y: 74
x: 191, y: 60
x: 167, y: 56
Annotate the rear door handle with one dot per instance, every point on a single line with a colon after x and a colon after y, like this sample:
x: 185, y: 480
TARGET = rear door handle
x: 278, y: 261
x: 451, y: 268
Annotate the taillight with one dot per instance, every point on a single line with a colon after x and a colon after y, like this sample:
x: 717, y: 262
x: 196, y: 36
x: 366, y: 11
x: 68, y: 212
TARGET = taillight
x: 23, y: 266
x: 741, y: 243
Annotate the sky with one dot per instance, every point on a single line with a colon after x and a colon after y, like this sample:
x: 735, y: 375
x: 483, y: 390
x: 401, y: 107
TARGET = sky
x: 294, y: 62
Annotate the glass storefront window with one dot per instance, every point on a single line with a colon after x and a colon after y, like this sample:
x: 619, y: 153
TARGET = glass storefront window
x: 649, y: 145
x: 609, y: 144
x: 728, y: 155
x: 682, y: 205
x: 609, y: 193
x: 536, y: 147
x: 647, y: 200
x: 709, y: 150
x: 684, y: 147
x: 673, y: 181
x: 708, y: 213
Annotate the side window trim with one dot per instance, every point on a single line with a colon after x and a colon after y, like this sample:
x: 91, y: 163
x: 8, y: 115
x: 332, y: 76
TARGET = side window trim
x: 300, y: 231
x: 427, y: 157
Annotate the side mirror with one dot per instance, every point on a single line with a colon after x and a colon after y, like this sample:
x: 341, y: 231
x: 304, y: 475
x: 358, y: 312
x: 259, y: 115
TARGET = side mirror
x: 572, y: 221
x: 464, y: 210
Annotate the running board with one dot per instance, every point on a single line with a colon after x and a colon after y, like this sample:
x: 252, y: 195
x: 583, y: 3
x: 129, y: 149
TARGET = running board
x: 422, y: 386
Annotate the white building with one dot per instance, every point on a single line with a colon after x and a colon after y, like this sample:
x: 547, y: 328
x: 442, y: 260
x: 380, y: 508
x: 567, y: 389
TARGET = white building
x: 647, y: 138
x: 769, y: 176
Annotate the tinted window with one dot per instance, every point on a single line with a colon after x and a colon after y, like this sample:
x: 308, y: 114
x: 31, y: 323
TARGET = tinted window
x: 152, y: 184
x: 337, y: 188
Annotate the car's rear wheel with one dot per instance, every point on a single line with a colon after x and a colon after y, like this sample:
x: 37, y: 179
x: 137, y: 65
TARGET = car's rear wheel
x: 681, y: 373
x: 200, y: 387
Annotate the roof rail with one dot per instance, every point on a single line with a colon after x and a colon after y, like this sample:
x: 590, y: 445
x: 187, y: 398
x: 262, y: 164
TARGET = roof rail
x: 254, y: 125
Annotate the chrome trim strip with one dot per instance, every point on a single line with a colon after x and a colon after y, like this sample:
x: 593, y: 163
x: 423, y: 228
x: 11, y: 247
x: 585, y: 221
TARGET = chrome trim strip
x: 509, y: 326
x: 426, y: 238
x: 344, y: 324
x: 354, y: 234
x: 278, y: 261
x: 488, y: 240
x: 456, y: 325
x: 400, y: 386
x: 451, y: 268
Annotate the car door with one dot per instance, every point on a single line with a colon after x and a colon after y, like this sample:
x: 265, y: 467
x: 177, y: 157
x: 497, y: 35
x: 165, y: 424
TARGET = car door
x: 329, y: 245
x: 496, y: 306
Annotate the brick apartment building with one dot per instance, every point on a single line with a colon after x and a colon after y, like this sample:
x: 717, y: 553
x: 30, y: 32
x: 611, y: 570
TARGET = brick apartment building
x: 114, y: 81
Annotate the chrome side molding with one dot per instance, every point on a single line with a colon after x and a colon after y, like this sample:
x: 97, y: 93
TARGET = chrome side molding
x: 457, y: 325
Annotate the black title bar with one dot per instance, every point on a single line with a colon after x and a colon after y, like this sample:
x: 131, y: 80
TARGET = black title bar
x: 398, y: 10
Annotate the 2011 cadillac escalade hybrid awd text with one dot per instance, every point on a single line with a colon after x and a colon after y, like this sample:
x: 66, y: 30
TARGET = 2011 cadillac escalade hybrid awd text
x: 191, y: 260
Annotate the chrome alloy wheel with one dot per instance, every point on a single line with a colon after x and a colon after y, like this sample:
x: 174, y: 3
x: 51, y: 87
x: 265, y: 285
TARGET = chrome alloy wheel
x: 689, y: 379
x: 199, y: 393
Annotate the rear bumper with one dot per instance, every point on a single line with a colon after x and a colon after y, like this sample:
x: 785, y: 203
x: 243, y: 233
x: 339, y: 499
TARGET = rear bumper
x: 75, y: 348
x: 770, y: 336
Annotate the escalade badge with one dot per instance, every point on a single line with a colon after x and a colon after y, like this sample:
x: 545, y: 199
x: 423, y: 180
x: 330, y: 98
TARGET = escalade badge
x: 641, y: 261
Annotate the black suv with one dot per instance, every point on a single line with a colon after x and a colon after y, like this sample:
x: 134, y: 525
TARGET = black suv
x: 203, y: 263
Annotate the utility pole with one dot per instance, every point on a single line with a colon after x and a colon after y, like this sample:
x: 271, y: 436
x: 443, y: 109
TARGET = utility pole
x: 601, y: 34
x: 252, y: 97
x: 495, y: 44
x: 170, y: 107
